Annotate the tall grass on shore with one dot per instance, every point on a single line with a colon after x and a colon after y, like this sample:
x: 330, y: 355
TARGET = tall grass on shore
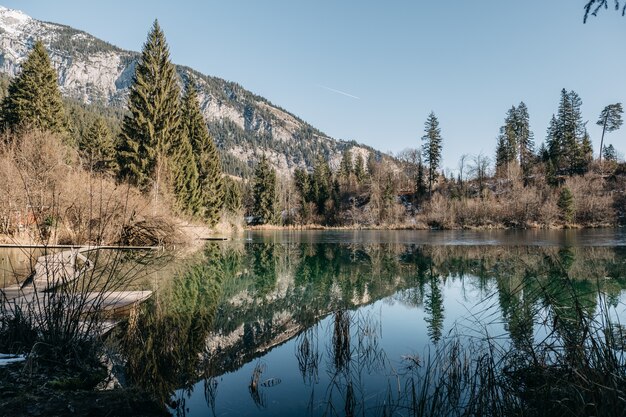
x: 565, y: 357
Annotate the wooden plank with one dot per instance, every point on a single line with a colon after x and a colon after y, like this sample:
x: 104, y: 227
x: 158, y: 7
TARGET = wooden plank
x: 115, y: 302
x: 82, y: 247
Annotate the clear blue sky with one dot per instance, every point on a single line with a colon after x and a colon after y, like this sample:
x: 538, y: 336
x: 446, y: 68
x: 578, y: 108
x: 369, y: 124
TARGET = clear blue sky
x: 468, y: 61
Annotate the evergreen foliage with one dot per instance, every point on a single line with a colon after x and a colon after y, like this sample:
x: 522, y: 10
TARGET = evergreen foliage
x: 207, y: 157
x: 264, y: 192
x: 97, y: 147
x: 233, y: 195
x: 610, y: 154
x: 359, y: 168
x: 432, y: 148
x: 153, y: 120
x: 33, y: 99
x: 184, y: 176
x: 345, y: 166
x: 567, y: 136
x: 610, y: 119
x: 566, y: 205
x: 321, y: 185
x: 515, y: 144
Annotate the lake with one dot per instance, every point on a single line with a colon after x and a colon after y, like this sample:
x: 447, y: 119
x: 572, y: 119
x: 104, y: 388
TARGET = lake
x: 326, y: 323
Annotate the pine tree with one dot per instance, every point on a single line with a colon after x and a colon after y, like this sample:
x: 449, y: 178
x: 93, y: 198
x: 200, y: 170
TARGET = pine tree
x: 525, y: 138
x: 566, y: 135
x: 610, y: 119
x: 420, y: 186
x: 359, y: 168
x: 566, y: 205
x: 610, y: 155
x: 264, y: 191
x: 207, y: 157
x: 233, y: 195
x: 321, y: 184
x: 345, y: 166
x: 184, y: 176
x: 97, y: 147
x: 34, y: 99
x: 432, y: 148
x: 153, y: 120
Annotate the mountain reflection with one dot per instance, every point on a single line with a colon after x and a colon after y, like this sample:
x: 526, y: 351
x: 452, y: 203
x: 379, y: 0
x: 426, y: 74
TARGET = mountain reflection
x: 240, y: 300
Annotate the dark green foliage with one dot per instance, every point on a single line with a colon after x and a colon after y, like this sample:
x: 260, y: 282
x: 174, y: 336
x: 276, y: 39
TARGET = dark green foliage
x: 97, y: 148
x: 82, y: 116
x: 320, y: 189
x: 507, y: 144
x: 420, y: 185
x: 432, y: 148
x: 359, y: 168
x: 566, y: 205
x: 345, y: 166
x: 233, y: 195
x: 321, y: 185
x: 209, y: 169
x: 264, y: 192
x: 610, y: 154
x: 184, y: 175
x: 34, y: 99
x: 566, y: 136
x: 4, y: 86
x: 78, y: 42
x: 525, y: 138
x: 153, y: 122
x: 610, y: 119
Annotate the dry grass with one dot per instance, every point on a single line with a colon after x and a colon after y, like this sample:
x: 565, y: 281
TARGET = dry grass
x: 49, y: 198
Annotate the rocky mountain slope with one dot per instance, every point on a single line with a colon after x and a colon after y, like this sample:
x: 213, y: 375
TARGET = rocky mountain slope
x: 95, y: 72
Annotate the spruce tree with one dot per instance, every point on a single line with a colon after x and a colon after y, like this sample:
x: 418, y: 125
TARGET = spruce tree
x: 610, y: 154
x: 233, y: 195
x: 345, y: 166
x: 97, y: 147
x: 359, y: 168
x: 207, y: 157
x: 321, y: 184
x: 33, y: 99
x: 566, y: 135
x: 153, y: 115
x: 184, y: 176
x: 432, y: 148
x: 525, y: 138
x: 264, y: 191
x: 610, y: 119
x: 566, y: 205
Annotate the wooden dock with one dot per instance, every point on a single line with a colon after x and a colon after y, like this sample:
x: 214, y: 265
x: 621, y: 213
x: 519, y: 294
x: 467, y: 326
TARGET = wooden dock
x: 41, y: 289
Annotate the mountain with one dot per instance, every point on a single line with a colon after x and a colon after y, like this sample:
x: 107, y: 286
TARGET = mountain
x: 98, y: 74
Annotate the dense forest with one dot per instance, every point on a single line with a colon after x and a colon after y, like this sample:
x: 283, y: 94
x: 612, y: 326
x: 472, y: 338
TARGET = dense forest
x: 174, y: 160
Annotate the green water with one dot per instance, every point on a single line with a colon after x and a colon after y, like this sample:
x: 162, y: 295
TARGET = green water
x: 331, y: 323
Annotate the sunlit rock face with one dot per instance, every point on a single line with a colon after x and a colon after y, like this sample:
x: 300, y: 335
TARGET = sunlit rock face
x: 95, y: 72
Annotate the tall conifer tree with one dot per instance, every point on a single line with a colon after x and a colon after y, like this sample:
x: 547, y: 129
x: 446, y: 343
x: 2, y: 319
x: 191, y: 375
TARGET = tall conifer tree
x: 97, y: 147
x: 264, y: 191
x: 184, y: 176
x: 432, y: 148
x: 209, y: 167
x: 610, y: 119
x: 33, y: 99
x: 153, y: 120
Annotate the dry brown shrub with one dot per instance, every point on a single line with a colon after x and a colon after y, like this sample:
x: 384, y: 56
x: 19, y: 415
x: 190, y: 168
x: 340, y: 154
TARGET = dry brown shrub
x: 593, y: 204
x: 48, y: 197
x: 440, y: 212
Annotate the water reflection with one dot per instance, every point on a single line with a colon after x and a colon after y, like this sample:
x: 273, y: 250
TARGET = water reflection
x: 323, y: 326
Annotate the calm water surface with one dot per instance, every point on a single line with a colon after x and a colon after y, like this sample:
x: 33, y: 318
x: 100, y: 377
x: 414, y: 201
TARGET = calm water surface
x: 331, y: 323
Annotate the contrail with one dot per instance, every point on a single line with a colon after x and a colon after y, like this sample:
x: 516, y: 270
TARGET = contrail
x: 339, y: 92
